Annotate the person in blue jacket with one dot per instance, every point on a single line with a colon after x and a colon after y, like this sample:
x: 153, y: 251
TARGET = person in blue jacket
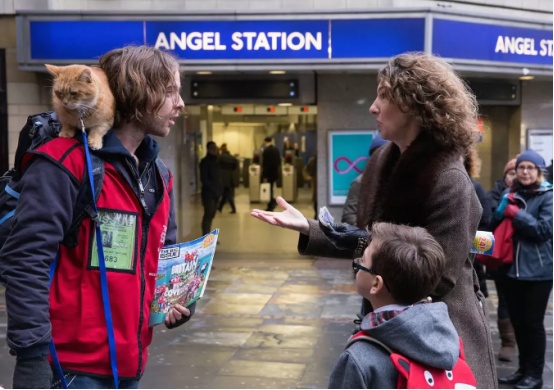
x: 529, y: 278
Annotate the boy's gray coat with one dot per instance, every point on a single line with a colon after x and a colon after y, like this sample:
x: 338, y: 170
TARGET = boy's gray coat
x: 429, y: 187
x: 422, y: 333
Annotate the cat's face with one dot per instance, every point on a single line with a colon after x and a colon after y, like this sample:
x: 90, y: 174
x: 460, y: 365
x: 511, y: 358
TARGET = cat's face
x: 74, y: 86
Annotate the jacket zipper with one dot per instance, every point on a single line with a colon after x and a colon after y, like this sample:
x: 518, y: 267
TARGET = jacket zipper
x: 517, y: 261
x: 145, y: 227
x: 539, y: 253
x: 144, y: 234
x: 145, y: 224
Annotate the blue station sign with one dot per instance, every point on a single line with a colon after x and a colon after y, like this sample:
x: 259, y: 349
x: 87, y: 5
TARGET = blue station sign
x: 292, y: 41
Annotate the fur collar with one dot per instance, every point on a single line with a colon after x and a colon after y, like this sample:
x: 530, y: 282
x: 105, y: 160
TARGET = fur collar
x: 398, y: 185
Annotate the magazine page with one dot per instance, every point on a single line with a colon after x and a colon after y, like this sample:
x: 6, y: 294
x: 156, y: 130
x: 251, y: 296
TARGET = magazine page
x: 183, y: 271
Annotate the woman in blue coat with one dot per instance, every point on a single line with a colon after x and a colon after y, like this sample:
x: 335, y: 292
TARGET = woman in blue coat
x: 529, y: 278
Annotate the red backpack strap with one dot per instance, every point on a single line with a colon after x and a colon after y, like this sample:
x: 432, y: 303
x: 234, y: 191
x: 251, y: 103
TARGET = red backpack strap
x: 361, y: 335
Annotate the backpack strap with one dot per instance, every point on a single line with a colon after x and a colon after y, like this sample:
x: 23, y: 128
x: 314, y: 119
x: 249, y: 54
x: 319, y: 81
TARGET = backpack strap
x: 164, y: 172
x: 84, y: 203
x: 361, y: 335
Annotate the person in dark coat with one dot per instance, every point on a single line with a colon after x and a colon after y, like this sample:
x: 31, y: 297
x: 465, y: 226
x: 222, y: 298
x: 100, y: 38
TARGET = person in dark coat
x: 271, y: 164
x: 505, y: 328
x: 472, y: 163
x: 418, y: 179
x: 228, y: 166
x: 212, y: 187
x: 529, y: 277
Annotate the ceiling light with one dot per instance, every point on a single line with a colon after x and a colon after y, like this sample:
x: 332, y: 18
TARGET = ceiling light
x: 526, y: 77
x: 204, y: 72
x: 277, y: 72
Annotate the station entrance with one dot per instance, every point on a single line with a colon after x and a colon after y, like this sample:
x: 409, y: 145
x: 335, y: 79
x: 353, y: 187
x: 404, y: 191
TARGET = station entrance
x: 243, y: 128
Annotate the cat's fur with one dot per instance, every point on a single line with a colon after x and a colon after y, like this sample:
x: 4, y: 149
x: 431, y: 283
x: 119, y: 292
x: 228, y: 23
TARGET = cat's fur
x: 82, y: 90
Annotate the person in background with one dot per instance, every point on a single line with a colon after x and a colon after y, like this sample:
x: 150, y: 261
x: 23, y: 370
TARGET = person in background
x: 271, y: 164
x: 429, y: 115
x: 528, y: 204
x: 472, y: 164
x: 212, y: 187
x: 505, y: 328
x: 310, y: 172
x: 548, y: 173
x: 228, y: 166
x: 350, y: 209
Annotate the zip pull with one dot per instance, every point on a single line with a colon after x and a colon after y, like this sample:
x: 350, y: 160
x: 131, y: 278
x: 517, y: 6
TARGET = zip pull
x: 141, y: 188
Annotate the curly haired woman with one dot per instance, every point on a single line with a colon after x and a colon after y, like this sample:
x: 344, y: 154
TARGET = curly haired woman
x: 418, y: 179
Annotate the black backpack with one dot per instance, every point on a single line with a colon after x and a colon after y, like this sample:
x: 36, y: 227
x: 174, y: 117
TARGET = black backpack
x: 38, y: 130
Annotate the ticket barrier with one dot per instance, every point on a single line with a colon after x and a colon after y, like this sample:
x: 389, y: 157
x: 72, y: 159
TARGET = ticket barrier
x: 254, y: 178
x: 289, y: 186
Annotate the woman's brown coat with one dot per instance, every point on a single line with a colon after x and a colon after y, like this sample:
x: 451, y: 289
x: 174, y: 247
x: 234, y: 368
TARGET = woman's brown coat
x: 428, y: 187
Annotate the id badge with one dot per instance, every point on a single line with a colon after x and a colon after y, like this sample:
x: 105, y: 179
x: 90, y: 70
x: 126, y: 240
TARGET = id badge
x: 119, y: 239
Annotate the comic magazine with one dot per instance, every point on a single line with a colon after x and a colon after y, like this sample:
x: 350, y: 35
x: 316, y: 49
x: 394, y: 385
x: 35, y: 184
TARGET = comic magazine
x: 183, y: 271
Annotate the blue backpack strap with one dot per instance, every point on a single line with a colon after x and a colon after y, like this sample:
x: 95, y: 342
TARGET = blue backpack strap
x: 87, y: 206
x: 51, y: 346
x: 103, y: 273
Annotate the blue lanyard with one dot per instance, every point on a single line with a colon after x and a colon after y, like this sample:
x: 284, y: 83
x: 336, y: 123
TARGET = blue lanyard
x: 103, y: 284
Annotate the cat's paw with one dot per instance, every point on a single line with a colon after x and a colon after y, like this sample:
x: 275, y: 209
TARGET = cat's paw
x: 67, y: 133
x: 95, y: 144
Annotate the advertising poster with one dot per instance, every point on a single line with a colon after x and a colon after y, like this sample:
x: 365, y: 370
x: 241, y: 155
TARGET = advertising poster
x: 348, y: 155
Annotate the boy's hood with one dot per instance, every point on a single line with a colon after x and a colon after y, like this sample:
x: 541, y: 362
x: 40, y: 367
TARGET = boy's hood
x: 422, y: 333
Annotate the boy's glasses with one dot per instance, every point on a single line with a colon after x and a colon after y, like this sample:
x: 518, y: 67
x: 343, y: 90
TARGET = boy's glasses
x: 356, y: 266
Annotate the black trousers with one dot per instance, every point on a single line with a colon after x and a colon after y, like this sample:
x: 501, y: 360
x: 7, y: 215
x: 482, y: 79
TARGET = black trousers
x: 272, y: 202
x: 210, y: 207
x: 527, y: 302
x: 228, y: 196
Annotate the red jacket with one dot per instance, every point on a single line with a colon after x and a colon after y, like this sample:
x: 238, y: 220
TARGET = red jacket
x: 76, y: 309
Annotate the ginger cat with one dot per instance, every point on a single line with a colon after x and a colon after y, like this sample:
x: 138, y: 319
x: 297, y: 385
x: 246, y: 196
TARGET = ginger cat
x: 82, y: 90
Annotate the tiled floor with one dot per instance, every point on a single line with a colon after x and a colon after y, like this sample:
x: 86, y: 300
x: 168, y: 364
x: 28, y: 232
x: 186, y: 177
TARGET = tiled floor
x: 269, y: 319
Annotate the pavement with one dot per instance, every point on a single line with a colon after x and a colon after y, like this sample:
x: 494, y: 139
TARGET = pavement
x: 269, y: 318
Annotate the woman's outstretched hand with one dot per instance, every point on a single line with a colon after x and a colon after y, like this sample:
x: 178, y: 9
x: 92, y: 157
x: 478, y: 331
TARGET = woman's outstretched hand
x: 289, y: 218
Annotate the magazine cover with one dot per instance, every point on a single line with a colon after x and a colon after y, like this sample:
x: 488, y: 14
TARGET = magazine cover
x: 183, y: 271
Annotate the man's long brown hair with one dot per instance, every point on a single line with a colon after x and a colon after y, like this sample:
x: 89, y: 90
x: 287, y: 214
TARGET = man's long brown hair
x: 139, y: 77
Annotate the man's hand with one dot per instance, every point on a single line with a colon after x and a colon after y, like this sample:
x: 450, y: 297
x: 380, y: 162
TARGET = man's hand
x: 34, y: 373
x: 178, y: 315
x: 346, y: 237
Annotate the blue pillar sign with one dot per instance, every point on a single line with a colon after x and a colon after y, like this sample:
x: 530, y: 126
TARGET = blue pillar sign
x: 488, y: 42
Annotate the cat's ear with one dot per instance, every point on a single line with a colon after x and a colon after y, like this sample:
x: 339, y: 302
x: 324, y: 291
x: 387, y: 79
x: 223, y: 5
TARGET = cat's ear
x: 86, y: 76
x: 54, y: 70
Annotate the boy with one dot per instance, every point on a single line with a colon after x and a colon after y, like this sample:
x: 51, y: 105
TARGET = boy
x: 398, y: 270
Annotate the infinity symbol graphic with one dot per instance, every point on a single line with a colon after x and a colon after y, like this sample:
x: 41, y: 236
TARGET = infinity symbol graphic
x: 351, y: 164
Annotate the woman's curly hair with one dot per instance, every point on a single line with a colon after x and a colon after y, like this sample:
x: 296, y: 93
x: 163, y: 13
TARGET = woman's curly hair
x: 427, y: 87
